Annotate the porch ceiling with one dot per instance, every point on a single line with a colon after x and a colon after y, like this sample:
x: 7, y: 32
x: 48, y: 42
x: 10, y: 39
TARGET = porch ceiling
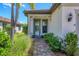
x: 37, y: 12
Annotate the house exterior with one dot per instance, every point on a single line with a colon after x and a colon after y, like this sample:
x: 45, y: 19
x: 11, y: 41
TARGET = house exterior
x: 5, y: 21
x: 60, y: 19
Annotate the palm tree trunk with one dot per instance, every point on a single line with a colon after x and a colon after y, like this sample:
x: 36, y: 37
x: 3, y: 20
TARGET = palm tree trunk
x: 16, y: 16
x: 12, y: 21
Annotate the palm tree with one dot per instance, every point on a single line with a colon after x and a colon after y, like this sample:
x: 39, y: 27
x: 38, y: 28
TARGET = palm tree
x: 12, y: 21
x: 15, y: 18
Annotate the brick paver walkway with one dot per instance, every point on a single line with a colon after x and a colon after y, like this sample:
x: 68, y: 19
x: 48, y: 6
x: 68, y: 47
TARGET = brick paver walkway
x: 41, y: 48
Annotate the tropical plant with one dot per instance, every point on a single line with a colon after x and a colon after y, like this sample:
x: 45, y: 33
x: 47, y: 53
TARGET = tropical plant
x: 12, y: 21
x: 71, y: 43
x: 53, y: 41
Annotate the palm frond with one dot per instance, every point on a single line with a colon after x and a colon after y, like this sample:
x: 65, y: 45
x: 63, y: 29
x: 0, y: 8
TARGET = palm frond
x: 32, y: 5
x: 18, y: 5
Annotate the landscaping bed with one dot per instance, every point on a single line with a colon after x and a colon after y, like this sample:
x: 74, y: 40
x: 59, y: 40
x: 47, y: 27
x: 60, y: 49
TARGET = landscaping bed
x: 20, y: 47
x: 69, y: 44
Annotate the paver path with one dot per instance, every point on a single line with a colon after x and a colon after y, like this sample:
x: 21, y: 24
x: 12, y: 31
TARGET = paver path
x: 41, y: 48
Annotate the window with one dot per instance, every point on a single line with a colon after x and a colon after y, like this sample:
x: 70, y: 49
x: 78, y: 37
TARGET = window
x: 44, y: 26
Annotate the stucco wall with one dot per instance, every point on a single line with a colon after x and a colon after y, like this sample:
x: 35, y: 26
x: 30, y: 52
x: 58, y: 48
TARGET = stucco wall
x: 66, y: 10
x: 56, y: 21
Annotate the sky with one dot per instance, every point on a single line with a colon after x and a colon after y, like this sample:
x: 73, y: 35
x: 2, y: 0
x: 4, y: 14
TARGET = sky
x: 5, y: 10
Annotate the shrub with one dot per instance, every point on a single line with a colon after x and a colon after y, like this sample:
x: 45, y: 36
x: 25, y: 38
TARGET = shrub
x: 5, y: 43
x: 71, y: 43
x: 53, y: 41
x: 48, y: 36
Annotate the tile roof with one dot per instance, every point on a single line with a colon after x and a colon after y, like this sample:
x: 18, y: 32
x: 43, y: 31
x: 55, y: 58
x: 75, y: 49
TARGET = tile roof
x: 6, y: 20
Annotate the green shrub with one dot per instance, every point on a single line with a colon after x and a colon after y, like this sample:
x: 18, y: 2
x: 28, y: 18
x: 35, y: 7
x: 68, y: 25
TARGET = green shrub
x: 53, y: 41
x: 71, y: 43
x: 48, y: 36
x: 5, y: 43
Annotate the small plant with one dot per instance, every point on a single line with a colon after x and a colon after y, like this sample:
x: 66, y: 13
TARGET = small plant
x: 5, y: 43
x: 71, y: 43
x: 53, y: 41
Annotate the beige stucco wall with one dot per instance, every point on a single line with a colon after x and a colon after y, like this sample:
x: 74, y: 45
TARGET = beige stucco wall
x: 56, y: 21
x: 66, y: 10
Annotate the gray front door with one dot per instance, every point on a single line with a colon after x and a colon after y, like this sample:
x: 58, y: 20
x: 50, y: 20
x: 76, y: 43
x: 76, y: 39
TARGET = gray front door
x: 37, y: 27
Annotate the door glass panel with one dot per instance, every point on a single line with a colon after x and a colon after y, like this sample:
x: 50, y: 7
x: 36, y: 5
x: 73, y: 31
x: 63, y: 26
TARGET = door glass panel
x: 44, y: 26
x: 37, y: 27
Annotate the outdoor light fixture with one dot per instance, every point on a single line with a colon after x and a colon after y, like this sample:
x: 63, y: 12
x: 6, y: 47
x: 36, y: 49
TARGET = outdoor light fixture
x: 69, y: 17
x: 30, y: 16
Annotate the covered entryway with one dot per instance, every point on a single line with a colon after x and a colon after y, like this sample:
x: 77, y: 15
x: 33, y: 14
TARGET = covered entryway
x: 39, y: 24
x: 40, y: 27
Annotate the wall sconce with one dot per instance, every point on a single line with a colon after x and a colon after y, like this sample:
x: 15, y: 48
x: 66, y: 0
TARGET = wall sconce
x: 31, y: 16
x: 69, y: 17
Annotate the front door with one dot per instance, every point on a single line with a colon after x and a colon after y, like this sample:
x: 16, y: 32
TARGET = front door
x: 37, y: 27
